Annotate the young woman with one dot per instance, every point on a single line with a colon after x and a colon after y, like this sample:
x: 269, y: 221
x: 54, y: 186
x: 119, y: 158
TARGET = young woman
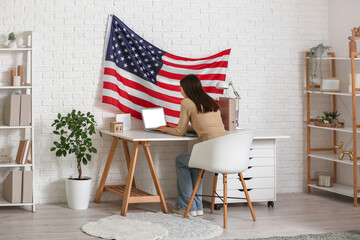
x: 204, y: 114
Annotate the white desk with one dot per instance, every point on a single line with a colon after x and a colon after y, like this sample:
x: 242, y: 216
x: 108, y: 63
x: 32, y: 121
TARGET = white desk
x: 264, y: 143
x: 129, y: 192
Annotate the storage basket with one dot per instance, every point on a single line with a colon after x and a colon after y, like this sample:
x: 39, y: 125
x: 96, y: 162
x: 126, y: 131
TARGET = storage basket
x: 325, y: 179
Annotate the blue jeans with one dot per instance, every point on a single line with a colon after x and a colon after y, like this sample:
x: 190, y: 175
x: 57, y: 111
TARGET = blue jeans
x: 186, y: 179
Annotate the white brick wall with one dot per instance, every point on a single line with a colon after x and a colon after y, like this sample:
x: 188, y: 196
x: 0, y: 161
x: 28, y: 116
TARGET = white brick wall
x: 268, y: 41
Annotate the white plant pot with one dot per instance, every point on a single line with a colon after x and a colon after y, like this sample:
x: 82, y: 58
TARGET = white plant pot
x: 12, y: 44
x: 78, y: 193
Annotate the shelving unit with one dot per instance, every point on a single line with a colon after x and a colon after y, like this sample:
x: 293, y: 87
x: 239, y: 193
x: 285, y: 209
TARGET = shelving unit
x: 28, y: 130
x: 329, y: 154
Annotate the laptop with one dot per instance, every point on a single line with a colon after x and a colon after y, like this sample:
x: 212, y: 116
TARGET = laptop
x: 153, y: 118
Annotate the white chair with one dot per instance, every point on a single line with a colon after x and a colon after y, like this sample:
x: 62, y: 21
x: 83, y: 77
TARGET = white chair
x: 226, y: 155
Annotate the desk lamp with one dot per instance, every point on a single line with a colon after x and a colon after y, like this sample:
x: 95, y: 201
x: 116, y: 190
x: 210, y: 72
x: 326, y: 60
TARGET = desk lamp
x: 225, y: 86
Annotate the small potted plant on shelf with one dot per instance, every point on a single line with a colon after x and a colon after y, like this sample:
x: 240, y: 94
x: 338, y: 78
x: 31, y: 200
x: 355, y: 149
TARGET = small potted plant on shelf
x: 12, y: 38
x: 75, y: 130
x: 314, y: 60
x: 334, y: 116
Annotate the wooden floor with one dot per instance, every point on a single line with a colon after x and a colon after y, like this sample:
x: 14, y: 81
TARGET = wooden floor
x: 293, y: 214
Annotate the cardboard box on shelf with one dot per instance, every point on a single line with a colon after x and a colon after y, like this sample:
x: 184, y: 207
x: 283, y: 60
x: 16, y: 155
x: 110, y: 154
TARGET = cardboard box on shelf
x: 12, y: 187
x: 11, y: 113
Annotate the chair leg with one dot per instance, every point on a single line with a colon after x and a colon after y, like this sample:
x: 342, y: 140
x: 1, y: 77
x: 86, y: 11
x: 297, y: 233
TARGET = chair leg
x: 201, y: 174
x: 247, y: 197
x: 213, y: 193
x: 225, y: 199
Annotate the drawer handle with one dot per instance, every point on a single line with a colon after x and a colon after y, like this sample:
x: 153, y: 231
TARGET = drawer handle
x: 241, y: 190
x: 248, y: 178
x: 250, y: 158
x: 249, y: 167
x: 251, y: 149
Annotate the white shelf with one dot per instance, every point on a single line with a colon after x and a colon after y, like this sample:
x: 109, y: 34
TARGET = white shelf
x: 337, y: 58
x: 333, y: 93
x: 341, y: 189
x: 345, y: 129
x: 15, y: 49
x: 3, y: 165
x: 4, y: 203
x: 15, y: 87
x: 332, y: 157
x: 13, y: 127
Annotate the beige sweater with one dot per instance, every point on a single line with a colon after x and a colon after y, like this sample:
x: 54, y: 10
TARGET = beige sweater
x: 207, y: 125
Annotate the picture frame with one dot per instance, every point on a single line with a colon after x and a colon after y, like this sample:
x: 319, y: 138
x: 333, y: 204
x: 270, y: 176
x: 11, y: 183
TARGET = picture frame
x: 116, y: 127
x: 330, y: 84
x: 125, y: 118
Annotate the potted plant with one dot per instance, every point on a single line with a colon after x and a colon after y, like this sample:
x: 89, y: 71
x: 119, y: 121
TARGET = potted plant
x: 334, y: 116
x: 327, y: 118
x: 12, y: 38
x: 315, y: 58
x: 75, y: 130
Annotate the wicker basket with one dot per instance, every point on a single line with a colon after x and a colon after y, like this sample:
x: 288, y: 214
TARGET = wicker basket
x: 332, y: 125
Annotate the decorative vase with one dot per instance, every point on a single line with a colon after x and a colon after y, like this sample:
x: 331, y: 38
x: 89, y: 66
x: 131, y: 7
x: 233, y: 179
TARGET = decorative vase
x: 78, y: 193
x: 12, y: 44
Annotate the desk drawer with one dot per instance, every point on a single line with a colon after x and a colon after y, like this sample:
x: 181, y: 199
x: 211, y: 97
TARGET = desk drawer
x: 261, y: 161
x: 234, y: 183
x: 263, y: 143
x: 262, y: 152
x: 266, y: 171
x: 254, y: 194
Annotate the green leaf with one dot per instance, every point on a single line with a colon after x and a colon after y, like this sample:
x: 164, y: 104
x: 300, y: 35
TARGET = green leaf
x: 59, y: 153
x: 56, y: 132
x: 59, y: 116
x: 94, y: 150
x: 88, y: 157
x: 53, y: 149
x: 84, y: 161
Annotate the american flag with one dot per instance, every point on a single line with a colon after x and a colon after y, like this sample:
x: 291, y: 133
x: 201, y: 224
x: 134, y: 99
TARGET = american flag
x: 139, y: 75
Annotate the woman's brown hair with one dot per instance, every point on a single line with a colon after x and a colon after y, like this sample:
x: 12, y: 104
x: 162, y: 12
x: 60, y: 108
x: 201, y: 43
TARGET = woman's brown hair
x: 192, y: 87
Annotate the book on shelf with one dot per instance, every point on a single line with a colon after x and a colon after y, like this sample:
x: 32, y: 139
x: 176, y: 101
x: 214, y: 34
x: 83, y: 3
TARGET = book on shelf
x: 23, y: 151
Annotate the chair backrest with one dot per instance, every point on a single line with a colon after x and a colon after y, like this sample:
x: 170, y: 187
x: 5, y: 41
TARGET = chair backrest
x: 226, y: 154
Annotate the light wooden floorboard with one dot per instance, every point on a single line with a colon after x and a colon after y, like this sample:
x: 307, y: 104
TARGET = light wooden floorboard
x: 293, y: 214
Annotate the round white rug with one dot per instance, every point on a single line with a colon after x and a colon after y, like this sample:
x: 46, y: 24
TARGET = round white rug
x: 152, y: 226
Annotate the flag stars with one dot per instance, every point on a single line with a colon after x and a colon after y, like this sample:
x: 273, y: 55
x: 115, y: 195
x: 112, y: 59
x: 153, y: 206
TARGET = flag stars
x: 113, y: 39
x: 135, y: 70
x: 125, y: 65
x: 133, y: 49
x: 152, y: 72
x: 111, y: 56
x: 146, y: 60
x: 116, y: 45
x: 129, y: 57
x: 119, y: 51
x: 127, y: 35
x: 150, y: 46
x: 122, y: 44
x: 156, y: 64
x: 141, y: 40
x: 132, y: 64
x: 149, y: 66
x: 119, y: 37
x: 122, y: 58
x: 132, y: 35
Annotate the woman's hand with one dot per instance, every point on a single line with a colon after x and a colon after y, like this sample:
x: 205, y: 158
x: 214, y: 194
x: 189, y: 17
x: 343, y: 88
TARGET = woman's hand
x: 162, y: 128
x: 170, y: 125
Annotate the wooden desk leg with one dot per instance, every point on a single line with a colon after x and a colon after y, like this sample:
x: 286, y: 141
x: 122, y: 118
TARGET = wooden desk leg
x: 130, y: 178
x: 106, y: 170
x: 127, y: 157
x: 154, y: 176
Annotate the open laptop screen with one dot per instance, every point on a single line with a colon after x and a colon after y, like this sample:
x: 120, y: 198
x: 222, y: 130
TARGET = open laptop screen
x: 153, y: 118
